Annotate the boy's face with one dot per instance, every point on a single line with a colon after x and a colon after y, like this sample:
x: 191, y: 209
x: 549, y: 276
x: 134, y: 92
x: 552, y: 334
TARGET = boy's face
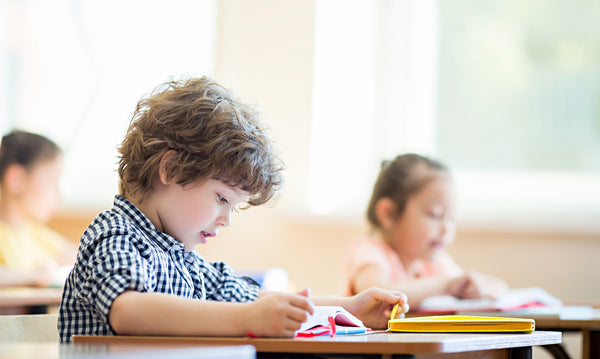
x: 195, y: 212
x: 426, y: 226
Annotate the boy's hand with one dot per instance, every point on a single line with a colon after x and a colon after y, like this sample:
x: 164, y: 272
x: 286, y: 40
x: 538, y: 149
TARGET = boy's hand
x: 374, y: 305
x: 279, y: 314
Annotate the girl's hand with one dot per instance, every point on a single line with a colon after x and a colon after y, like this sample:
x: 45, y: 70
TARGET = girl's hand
x: 473, y: 287
x: 374, y: 305
x: 278, y: 314
x: 488, y: 286
x: 476, y: 285
x: 466, y: 286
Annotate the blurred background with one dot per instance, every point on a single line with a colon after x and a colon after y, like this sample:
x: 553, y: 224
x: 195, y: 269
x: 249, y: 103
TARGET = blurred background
x: 506, y: 93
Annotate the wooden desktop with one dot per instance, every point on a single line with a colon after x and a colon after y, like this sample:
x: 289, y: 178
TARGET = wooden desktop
x: 383, y: 344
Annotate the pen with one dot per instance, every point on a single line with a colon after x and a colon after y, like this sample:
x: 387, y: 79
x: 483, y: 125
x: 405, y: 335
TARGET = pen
x: 395, y: 312
x: 346, y: 331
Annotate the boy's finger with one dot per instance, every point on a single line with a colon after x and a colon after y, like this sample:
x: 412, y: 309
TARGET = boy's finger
x: 302, y: 303
x: 404, y: 298
x: 390, y: 297
x: 297, y: 315
x: 289, y: 332
x: 406, y: 307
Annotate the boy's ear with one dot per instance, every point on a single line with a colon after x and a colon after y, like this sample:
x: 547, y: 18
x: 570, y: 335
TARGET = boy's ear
x: 385, y: 210
x: 163, y: 167
x: 15, y: 177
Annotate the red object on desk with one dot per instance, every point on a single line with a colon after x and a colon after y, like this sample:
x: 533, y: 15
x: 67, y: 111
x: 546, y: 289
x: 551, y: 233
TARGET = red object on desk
x: 332, y: 326
x: 319, y: 330
x: 332, y: 329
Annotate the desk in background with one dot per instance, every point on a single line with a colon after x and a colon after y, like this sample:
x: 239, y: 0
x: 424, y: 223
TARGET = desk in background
x: 22, y: 300
x: 589, y: 328
x: 377, y: 344
x: 54, y: 350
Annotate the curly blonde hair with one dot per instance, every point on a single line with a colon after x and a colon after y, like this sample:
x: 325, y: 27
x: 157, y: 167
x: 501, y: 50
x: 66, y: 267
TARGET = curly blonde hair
x: 213, y: 135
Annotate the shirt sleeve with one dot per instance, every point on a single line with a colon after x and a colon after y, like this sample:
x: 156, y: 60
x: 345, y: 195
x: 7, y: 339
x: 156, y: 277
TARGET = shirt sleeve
x: 114, y: 267
x: 222, y: 284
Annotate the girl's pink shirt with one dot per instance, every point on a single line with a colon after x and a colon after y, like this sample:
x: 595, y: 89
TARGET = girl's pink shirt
x: 376, y: 251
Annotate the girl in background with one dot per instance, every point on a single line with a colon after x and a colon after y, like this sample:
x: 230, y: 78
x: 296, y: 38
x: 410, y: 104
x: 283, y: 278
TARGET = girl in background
x: 411, y: 212
x: 30, y: 169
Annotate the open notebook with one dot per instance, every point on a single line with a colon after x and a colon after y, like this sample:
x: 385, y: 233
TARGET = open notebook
x: 461, y: 324
x: 324, y: 317
x: 513, y: 299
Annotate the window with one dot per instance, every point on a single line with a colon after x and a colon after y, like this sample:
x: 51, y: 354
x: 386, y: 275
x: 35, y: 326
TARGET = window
x: 527, y: 87
x: 505, y: 93
x: 74, y: 71
x: 373, y: 95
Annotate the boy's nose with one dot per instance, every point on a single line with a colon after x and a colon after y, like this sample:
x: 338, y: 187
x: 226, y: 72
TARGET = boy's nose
x: 225, y: 219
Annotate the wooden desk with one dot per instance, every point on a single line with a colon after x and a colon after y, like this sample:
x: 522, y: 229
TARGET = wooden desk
x: 589, y: 327
x: 383, y: 344
x: 54, y: 350
x: 19, y: 300
x: 586, y: 322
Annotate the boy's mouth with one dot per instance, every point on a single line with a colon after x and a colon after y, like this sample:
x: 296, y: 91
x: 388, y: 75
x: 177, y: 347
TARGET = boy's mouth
x: 205, y: 235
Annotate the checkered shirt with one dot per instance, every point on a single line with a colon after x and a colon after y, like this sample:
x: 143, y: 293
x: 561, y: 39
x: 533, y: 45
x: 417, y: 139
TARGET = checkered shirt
x: 120, y: 250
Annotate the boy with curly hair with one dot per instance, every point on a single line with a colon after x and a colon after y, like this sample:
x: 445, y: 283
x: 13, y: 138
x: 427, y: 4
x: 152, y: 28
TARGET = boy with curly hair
x: 191, y: 155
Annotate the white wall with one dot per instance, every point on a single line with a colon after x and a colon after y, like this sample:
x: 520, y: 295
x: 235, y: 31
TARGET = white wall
x: 265, y: 55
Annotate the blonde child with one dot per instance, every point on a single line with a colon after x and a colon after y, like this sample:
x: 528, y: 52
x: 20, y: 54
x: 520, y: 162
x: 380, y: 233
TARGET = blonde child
x: 191, y: 155
x: 411, y: 212
x: 30, y: 168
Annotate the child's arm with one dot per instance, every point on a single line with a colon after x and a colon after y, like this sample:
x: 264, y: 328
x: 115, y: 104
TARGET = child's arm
x: 468, y: 285
x: 276, y: 315
x: 415, y: 289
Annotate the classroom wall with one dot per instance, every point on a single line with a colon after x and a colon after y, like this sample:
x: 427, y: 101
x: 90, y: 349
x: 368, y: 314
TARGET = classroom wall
x: 265, y: 54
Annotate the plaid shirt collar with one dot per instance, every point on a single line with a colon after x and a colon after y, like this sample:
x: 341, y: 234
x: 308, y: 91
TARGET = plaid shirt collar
x: 128, y: 210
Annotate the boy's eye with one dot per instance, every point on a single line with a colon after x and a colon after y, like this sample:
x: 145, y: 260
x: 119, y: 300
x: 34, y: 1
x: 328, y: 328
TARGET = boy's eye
x: 222, y: 199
